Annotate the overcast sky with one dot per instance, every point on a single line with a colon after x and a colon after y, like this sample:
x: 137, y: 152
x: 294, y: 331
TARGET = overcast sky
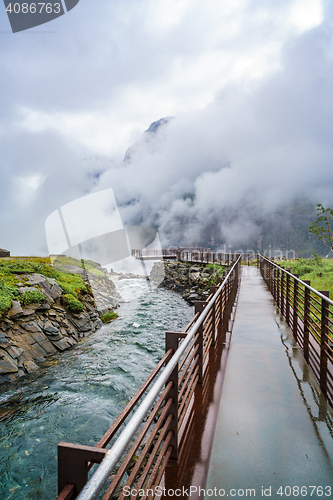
x: 248, y: 82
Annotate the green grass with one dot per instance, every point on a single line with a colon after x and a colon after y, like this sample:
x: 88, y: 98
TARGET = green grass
x: 216, y: 271
x: 10, y: 269
x: 320, y: 274
x: 32, y: 297
x: 8, y: 292
x: 312, y: 269
x: 89, y: 265
x: 72, y: 303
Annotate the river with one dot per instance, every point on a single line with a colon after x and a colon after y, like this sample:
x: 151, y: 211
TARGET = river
x: 76, y: 395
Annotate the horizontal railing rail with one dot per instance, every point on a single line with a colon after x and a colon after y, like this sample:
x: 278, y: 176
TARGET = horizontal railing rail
x: 207, y: 256
x: 194, y: 254
x: 150, y: 253
x: 309, y: 314
x: 154, y: 421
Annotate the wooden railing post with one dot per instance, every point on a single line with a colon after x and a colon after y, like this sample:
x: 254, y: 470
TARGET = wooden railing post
x: 277, y: 286
x: 171, y: 342
x: 73, y: 460
x: 324, y: 339
x: 295, y: 307
x: 307, y: 299
x: 282, y: 305
x: 213, y: 289
x: 198, y: 308
x: 222, y: 299
x: 274, y: 282
x: 287, y: 308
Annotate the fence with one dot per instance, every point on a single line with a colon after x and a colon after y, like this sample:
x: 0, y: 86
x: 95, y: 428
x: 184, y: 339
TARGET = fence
x: 192, y: 254
x: 308, y: 313
x: 158, y: 420
x: 152, y: 253
x: 207, y: 256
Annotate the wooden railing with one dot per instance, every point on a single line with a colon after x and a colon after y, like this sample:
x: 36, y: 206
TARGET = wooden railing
x: 309, y: 314
x: 152, y: 423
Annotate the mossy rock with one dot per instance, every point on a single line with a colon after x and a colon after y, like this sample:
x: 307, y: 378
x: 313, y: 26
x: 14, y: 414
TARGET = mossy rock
x: 72, y: 303
x: 109, y: 316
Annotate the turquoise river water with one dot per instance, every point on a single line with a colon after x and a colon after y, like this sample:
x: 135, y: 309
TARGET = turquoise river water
x: 75, y: 396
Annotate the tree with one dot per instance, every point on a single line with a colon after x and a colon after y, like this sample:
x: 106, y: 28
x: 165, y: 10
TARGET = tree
x: 322, y: 226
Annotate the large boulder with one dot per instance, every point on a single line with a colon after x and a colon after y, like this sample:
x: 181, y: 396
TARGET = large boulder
x: 48, y: 286
x: 16, y: 310
x: 4, y: 253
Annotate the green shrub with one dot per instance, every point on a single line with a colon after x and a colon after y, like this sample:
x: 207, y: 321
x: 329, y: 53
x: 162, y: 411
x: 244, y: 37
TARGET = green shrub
x: 319, y: 273
x: 7, y: 294
x: 68, y: 289
x: 32, y: 296
x: 216, y: 271
x: 109, y: 316
x: 72, y: 303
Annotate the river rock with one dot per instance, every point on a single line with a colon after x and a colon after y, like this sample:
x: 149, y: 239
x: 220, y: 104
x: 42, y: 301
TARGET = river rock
x: 30, y: 366
x: 63, y: 344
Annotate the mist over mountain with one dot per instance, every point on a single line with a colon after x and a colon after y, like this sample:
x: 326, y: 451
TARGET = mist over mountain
x: 246, y: 171
x: 244, y: 159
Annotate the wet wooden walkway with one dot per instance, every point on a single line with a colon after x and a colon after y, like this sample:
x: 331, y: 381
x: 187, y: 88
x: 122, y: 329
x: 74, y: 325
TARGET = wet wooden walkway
x: 274, y: 432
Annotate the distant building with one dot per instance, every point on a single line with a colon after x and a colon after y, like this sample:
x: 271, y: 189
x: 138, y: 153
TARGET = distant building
x: 4, y: 253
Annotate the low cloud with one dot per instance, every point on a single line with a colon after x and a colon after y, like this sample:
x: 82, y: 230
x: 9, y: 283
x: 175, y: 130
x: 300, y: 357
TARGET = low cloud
x: 221, y: 172
x: 250, y: 134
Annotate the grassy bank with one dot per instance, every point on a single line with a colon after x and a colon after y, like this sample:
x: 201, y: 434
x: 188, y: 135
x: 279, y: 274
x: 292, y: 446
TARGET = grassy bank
x: 318, y: 271
x: 12, y: 273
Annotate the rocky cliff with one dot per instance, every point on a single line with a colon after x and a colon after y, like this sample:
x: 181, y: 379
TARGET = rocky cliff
x: 191, y: 281
x: 29, y: 334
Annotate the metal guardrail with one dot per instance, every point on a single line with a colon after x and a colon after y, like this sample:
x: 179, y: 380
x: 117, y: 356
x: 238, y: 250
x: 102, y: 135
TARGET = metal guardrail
x: 152, y: 253
x: 151, y: 436
x: 192, y: 254
x: 309, y: 315
x: 207, y: 256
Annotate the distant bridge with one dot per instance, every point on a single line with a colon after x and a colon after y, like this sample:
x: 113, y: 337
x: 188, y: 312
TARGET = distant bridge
x: 273, y: 425
x: 190, y: 254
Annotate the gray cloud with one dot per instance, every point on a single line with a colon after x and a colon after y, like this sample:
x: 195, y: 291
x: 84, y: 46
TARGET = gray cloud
x: 251, y: 152
x: 223, y: 164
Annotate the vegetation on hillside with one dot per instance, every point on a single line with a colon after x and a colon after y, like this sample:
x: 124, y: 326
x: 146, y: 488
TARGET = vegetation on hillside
x: 317, y: 270
x: 89, y: 265
x: 10, y: 276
